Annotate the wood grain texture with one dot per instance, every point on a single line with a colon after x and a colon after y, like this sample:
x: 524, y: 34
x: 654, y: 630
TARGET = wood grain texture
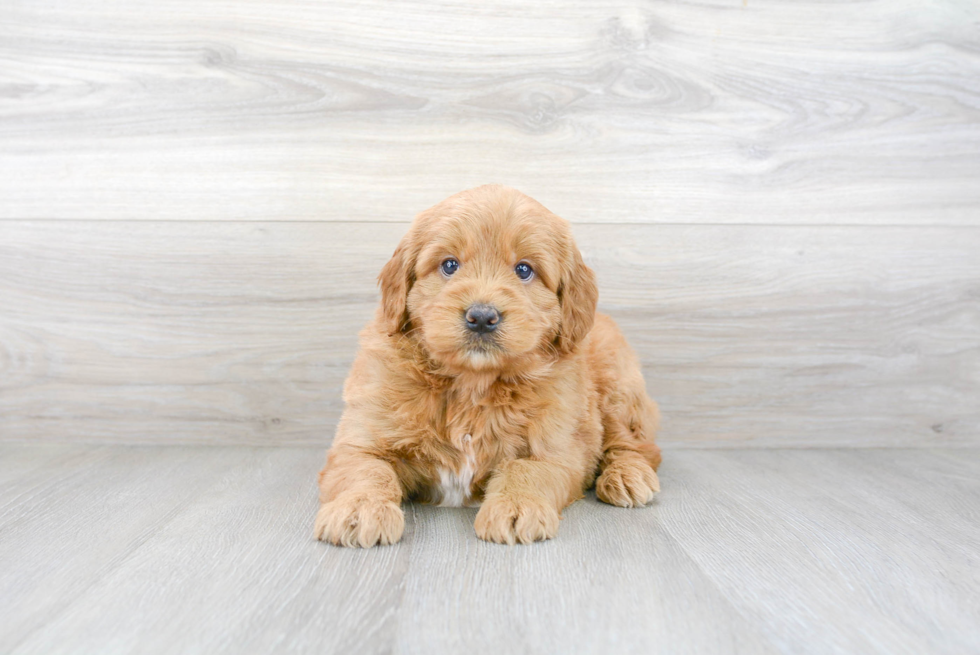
x: 870, y: 543
x: 613, y: 580
x: 75, y: 520
x: 243, y: 333
x: 209, y: 550
x: 727, y: 111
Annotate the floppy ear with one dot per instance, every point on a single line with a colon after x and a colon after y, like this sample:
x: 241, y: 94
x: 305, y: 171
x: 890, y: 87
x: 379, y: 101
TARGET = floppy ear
x: 578, y: 294
x: 396, y: 280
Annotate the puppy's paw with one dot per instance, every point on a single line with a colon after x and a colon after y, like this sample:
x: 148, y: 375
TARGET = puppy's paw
x: 630, y: 483
x: 354, y: 521
x: 508, y: 520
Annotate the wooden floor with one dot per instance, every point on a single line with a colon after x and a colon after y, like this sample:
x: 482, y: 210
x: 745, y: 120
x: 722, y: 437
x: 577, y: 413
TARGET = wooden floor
x: 154, y: 549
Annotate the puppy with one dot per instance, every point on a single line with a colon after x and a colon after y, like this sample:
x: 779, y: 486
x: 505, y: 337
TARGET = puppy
x: 487, y: 378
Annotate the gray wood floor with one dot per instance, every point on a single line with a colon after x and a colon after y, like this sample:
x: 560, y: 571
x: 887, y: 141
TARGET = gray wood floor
x: 110, y: 549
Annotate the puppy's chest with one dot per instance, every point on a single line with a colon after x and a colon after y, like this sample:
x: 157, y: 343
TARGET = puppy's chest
x: 454, y: 485
x: 473, y: 441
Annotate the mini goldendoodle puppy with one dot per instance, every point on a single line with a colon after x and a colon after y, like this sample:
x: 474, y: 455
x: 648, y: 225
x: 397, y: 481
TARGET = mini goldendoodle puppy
x: 487, y: 378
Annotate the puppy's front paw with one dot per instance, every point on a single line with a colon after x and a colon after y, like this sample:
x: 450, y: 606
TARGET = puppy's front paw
x: 508, y: 520
x: 358, y: 521
x: 630, y: 483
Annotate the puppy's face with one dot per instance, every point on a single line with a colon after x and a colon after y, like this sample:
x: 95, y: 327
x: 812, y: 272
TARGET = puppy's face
x: 486, y: 278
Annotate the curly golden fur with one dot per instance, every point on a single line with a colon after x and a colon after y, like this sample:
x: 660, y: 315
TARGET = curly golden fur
x: 519, y: 416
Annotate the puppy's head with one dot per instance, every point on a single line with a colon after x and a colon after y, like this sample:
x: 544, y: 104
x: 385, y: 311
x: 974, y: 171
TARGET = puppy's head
x: 486, y: 278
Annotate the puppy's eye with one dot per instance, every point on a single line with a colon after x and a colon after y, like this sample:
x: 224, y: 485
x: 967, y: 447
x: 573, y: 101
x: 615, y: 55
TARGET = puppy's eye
x: 524, y: 271
x: 450, y: 266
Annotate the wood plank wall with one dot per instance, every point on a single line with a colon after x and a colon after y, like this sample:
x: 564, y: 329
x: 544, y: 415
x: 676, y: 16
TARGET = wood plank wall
x: 782, y: 202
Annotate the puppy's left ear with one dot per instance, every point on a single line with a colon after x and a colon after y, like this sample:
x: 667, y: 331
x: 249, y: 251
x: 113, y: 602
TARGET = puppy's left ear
x: 578, y: 295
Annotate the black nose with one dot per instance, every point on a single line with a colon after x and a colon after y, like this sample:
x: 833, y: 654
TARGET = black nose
x: 482, y: 318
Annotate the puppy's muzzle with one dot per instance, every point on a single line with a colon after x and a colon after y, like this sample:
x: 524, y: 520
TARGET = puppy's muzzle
x: 482, y: 319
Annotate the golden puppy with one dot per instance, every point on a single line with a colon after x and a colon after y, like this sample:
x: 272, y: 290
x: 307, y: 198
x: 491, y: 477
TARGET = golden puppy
x: 487, y: 378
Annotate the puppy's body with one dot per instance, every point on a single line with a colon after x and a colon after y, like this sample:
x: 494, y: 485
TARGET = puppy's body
x: 517, y: 409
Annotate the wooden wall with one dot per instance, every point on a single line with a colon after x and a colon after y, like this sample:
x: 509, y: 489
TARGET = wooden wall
x: 782, y: 202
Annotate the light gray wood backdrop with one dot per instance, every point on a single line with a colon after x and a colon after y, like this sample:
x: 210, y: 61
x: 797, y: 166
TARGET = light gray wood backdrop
x: 782, y: 202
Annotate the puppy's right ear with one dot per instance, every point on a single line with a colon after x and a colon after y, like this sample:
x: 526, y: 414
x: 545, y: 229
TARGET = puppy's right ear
x: 398, y: 275
x: 396, y: 280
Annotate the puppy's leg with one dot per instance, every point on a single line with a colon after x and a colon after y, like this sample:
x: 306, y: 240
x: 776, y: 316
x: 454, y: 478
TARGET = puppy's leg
x: 627, y: 479
x: 630, y: 457
x: 523, y: 501
x: 360, y: 500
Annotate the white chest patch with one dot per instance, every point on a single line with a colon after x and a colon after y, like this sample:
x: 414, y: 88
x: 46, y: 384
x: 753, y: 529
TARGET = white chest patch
x: 455, y: 485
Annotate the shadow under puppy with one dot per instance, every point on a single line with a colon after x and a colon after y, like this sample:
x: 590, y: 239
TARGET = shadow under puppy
x: 487, y: 378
